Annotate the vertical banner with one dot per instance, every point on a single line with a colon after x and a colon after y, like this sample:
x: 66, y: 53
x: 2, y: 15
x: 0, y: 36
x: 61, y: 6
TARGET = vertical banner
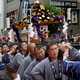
x: 69, y: 14
x: 8, y: 22
x: 74, y: 16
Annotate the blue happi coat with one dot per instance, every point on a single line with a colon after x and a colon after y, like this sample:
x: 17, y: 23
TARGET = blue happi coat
x: 43, y: 70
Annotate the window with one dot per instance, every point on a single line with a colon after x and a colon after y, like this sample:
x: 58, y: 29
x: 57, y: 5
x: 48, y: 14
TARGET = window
x: 74, y: 16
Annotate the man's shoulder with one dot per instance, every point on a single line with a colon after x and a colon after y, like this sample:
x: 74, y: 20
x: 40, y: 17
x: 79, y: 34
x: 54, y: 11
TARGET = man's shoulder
x: 41, y: 66
x: 34, y: 61
x: 44, y: 62
x: 19, y: 55
x: 27, y: 59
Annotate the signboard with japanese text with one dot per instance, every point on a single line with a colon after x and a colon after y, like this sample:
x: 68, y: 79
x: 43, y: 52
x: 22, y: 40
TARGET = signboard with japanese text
x: 74, y: 17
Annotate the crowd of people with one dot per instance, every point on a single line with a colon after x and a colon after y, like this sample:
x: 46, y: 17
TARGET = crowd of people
x: 52, y: 58
x: 53, y: 61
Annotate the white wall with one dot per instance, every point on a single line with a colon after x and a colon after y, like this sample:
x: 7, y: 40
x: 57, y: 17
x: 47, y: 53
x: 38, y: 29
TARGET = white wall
x: 13, y: 5
x: 78, y: 1
x: 2, y: 14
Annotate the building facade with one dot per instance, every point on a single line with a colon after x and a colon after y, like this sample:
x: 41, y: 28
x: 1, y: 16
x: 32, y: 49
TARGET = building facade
x: 12, y: 8
x: 70, y: 7
x: 72, y: 12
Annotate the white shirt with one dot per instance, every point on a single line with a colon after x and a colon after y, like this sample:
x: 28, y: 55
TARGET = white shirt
x: 65, y: 55
x: 18, y: 77
x: 11, y: 35
x: 1, y: 57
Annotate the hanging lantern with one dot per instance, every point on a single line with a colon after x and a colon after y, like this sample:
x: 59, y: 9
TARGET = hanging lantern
x: 48, y: 18
x: 40, y: 18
